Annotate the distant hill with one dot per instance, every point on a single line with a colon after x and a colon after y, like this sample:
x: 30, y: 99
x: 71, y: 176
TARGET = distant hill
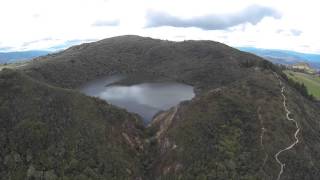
x: 285, y: 57
x: 11, y: 57
x: 303, y: 66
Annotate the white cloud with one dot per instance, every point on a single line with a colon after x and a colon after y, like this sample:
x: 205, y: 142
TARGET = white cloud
x: 106, y: 23
x: 40, y: 24
x: 252, y: 14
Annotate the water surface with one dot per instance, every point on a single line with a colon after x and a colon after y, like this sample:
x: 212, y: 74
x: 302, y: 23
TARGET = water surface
x: 145, y: 99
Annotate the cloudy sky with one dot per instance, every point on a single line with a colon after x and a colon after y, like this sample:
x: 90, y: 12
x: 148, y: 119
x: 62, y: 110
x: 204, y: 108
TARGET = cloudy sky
x: 54, y: 24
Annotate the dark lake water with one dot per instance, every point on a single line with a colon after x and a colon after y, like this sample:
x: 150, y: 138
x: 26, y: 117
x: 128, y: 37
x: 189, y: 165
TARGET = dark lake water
x: 145, y: 99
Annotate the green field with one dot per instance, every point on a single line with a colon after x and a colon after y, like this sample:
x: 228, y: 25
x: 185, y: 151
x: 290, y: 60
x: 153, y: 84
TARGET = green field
x: 311, y: 82
x: 13, y: 65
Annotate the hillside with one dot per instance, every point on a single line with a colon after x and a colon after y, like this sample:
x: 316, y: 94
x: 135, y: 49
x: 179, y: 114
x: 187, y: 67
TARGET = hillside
x: 189, y: 61
x: 53, y: 133
x: 234, y: 132
x: 232, y: 129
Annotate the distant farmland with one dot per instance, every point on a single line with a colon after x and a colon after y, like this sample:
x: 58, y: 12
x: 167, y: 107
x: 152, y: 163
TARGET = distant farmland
x: 312, y: 82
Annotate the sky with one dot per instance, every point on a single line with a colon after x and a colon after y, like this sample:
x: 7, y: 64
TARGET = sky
x: 55, y: 24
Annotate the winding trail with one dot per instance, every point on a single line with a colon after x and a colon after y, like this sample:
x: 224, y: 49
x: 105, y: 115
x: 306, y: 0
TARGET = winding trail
x: 263, y: 130
x: 276, y: 156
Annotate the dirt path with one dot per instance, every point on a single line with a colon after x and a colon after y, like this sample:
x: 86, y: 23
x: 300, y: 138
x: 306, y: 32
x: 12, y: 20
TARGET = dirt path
x: 276, y: 156
x: 263, y: 130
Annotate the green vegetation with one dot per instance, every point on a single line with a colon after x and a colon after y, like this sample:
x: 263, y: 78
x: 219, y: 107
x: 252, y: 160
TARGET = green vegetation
x: 50, y: 132
x: 217, y: 136
x: 53, y: 133
x: 311, y: 82
x: 203, y: 64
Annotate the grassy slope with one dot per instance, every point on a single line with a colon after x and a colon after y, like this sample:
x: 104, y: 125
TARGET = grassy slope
x: 58, y: 133
x: 13, y: 65
x: 311, y: 82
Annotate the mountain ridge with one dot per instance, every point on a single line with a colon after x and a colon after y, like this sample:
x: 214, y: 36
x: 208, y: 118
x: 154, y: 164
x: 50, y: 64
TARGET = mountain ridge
x: 216, y: 135
x: 284, y: 57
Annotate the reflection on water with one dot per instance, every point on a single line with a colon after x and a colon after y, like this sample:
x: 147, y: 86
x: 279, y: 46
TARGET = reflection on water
x: 144, y: 99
